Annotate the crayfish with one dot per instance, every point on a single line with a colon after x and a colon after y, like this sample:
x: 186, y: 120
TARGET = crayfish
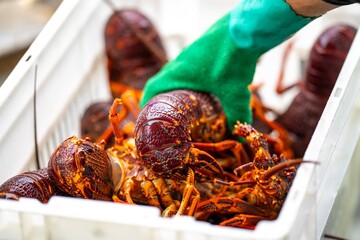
x: 134, y: 50
x: 174, y: 129
x: 134, y: 183
x: 77, y: 168
x: 260, y: 190
x: 32, y: 184
x: 326, y: 59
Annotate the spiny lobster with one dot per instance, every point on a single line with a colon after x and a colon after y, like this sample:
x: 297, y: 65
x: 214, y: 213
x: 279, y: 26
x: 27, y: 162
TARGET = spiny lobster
x: 326, y: 59
x: 77, y: 168
x: 259, y: 192
x: 82, y: 169
x: 134, y: 53
x: 134, y: 183
x: 32, y: 184
x: 133, y: 48
x: 172, y: 125
x: 176, y: 131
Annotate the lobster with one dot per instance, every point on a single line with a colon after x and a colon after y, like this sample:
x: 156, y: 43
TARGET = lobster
x: 77, y: 168
x: 134, y: 53
x: 173, y: 133
x: 134, y: 50
x: 134, y: 183
x: 174, y: 129
x: 173, y: 126
x: 31, y: 184
x: 326, y: 59
x: 82, y: 169
x: 259, y: 192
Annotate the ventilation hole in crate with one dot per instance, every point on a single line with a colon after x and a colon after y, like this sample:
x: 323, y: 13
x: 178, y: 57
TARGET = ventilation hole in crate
x: 337, y: 92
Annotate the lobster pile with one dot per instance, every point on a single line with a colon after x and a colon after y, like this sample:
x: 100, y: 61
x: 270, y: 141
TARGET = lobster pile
x: 178, y: 159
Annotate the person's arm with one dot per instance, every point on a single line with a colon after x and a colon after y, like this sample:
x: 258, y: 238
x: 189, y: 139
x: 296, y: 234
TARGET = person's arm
x: 310, y: 8
x: 342, y: 2
x: 313, y: 8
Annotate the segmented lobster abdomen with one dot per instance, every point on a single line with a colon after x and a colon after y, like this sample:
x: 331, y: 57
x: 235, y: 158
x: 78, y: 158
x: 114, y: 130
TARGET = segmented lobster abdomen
x: 31, y: 184
x: 327, y: 57
x: 166, y: 126
x: 133, y: 48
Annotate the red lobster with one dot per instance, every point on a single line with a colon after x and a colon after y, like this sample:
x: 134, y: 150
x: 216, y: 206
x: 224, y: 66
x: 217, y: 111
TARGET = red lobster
x: 326, y: 59
x: 32, y: 184
x: 135, y: 184
x: 82, y: 169
x: 259, y: 192
x: 170, y: 127
x: 134, y: 50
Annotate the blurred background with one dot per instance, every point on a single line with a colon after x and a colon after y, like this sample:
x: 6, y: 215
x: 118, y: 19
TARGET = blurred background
x: 20, y: 22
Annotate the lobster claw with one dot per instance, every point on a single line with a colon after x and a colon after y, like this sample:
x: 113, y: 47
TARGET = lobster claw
x: 205, y: 164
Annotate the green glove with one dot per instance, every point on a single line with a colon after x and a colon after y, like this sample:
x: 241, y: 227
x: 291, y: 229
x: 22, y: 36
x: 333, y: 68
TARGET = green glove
x: 223, y: 60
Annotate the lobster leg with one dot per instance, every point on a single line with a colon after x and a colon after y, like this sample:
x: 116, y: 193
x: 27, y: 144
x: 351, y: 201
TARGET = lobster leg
x: 131, y: 100
x: 191, y: 196
x: 150, y: 192
x: 163, y: 190
x: 129, y: 104
x: 228, y: 205
x: 233, y: 145
x: 280, y: 81
x: 243, y: 221
x: 203, y: 163
x: 283, y: 142
x: 115, y: 118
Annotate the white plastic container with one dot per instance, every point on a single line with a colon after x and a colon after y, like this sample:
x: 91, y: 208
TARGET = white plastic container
x: 68, y: 60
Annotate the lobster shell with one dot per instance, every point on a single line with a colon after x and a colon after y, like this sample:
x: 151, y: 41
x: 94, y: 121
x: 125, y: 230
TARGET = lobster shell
x: 31, y: 184
x: 82, y: 169
x: 133, y: 48
x: 327, y: 57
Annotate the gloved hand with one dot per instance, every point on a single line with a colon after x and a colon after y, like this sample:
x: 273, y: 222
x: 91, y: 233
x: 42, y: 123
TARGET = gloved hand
x: 223, y: 60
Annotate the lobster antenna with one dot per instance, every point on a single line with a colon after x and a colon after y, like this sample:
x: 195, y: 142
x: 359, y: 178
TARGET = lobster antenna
x: 281, y: 166
x: 35, y: 123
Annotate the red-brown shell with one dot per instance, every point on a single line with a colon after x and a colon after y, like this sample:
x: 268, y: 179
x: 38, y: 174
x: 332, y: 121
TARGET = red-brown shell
x: 326, y: 60
x: 130, y: 61
x: 82, y: 169
x: 169, y: 122
x: 95, y: 121
x: 327, y: 57
x: 31, y: 184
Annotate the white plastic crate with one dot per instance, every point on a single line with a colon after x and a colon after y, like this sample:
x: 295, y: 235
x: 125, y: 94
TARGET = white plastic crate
x: 68, y: 57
